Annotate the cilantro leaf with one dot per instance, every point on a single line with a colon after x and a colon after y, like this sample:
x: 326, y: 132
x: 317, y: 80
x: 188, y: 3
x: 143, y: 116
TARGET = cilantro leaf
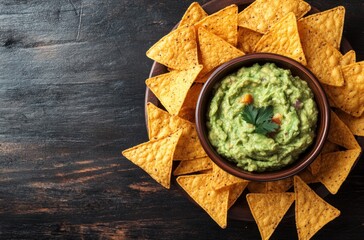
x: 261, y: 118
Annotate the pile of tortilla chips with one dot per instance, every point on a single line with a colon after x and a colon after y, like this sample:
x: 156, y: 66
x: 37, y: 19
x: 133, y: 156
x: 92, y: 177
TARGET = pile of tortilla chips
x: 203, y: 42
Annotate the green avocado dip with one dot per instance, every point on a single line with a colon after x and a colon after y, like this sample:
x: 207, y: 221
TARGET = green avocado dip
x: 261, y: 117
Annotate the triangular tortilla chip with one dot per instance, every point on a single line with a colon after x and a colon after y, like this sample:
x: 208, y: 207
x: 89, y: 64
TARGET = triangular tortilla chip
x: 279, y: 186
x: 161, y: 123
x: 322, y: 58
x: 307, y: 177
x: 336, y: 167
x: 258, y: 187
x: 221, y: 179
x: 329, y: 24
x: 171, y: 88
x: 350, y: 97
x: 215, y: 203
x: 155, y: 157
x: 312, y: 212
x: 348, y: 58
x: 330, y: 147
x: 355, y: 124
x: 223, y: 23
x: 283, y: 39
x: 235, y: 191
x: 247, y: 39
x: 268, y: 210
x: 177, y: 50
x: 315, y: 166
x: 193, y: 14
x: 214, y: 50
x: 261, y: 15
x: 192, y: 95
x: 340, y: 134
x: 192, y: 166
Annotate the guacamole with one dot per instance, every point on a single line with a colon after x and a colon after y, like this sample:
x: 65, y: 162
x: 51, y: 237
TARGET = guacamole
x: 266, y: 86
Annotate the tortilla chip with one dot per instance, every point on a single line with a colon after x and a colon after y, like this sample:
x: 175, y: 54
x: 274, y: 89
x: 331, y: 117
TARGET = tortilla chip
x: 171, y: 88
x: 340, y: 134
x: 261, y: 15
x: 315, y: 166
x: 235, y: 191
x: 223, y: 23
x: 312, y: 212
x: 192, y: 166
x: 268, y: 210
x: 258, y: 187
x: 350, y: 97
x: 322, y: 58
x: 329, y: 24
x: 187, y: 113
x: 283, y: 39
x: 193, y: 14
x: 279, y: 186
x: 214, y: 51
x: 222, y: 180
x: 215, y: 203
x: 348, y: 58
x: 177, y: 50
x: 336, y: 167
x: 155, y: 157
x: 192, y: 95
x: 203, y: 78
x: 355, y: 124
x: 247, y: 39
x: 161, y: 123
x: 307, y: 177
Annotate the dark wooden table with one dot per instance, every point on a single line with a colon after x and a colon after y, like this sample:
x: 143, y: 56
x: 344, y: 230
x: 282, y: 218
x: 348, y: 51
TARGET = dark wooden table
x: 72, y: 97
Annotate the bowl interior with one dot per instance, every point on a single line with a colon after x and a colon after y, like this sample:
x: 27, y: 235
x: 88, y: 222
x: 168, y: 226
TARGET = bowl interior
x: 297, y: 70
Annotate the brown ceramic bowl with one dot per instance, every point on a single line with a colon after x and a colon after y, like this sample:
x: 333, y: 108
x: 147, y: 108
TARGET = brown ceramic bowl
x: 297, y: 70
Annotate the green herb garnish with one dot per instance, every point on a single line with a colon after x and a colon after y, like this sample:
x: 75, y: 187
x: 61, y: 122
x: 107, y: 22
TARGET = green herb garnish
x: 261, y: 118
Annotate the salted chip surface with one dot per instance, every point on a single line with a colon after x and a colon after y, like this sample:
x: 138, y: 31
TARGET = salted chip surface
x: 348, y: 58
x: 329, y: 24
x: 336, y: 167
x: 322, y: 58
x: 355, y: 124
x: 223, y: 23
x: 261, y: 15
x: 315, y: 166
x: 350, y: 97
x: 247, y: 39
x: 215, y: 203
x: 171, y: 88
x: 192, y: 95
x: 235, y: 191
x: 340, y: 134
x: 222, y: 179
x: 214, y: 51
x: 193, y: 14
x: 192, y: 166
x: 312, y: 212
x: 155, y: 157
x: 268, y: 210
x: 283, y: 39
x: 177, y: 50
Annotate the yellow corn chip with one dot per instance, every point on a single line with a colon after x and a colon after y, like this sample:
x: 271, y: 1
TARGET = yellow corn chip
x: 177, y: 50
x: 192, y: 95
x: 193, y: 14
x: 322, y: 58
x: 312, y: 212
x: 203, y: 78
x: 336, y: 167
x: 283, y: 39
x: 268, y: 210
x: 161, y: 123
x: 315, y: 166
x: 261, y: 15
x: 355, y: 124
x: 258, y: 187
x: 155, y: 157
x: 214, y: 50
x: 192, y: 166
x: 235, y: 191
x: 330, y: 147
x: 340, y: 134
x: 222, y: 179
x: 329, y: 24
x: 350, y: 97
x: 187, y: 113
x: 279, y: 186
x: 247, y: 39
x: 307, y: 177
x: 223, y: 23
x: 215, y: 203
x: 348, y: 58
x: 171, y: 88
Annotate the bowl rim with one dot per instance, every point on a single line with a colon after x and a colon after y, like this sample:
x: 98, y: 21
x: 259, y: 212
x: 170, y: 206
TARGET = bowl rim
x: 300, y: 164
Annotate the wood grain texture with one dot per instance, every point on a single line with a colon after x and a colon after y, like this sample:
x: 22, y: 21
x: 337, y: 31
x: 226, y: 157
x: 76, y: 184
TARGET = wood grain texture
x: 72, y: 97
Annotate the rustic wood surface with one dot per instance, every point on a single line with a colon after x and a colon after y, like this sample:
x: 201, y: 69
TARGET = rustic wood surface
x: 72, y: 97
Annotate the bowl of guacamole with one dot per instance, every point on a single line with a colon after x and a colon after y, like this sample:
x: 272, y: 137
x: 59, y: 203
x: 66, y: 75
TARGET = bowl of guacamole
x: 262, y: 117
